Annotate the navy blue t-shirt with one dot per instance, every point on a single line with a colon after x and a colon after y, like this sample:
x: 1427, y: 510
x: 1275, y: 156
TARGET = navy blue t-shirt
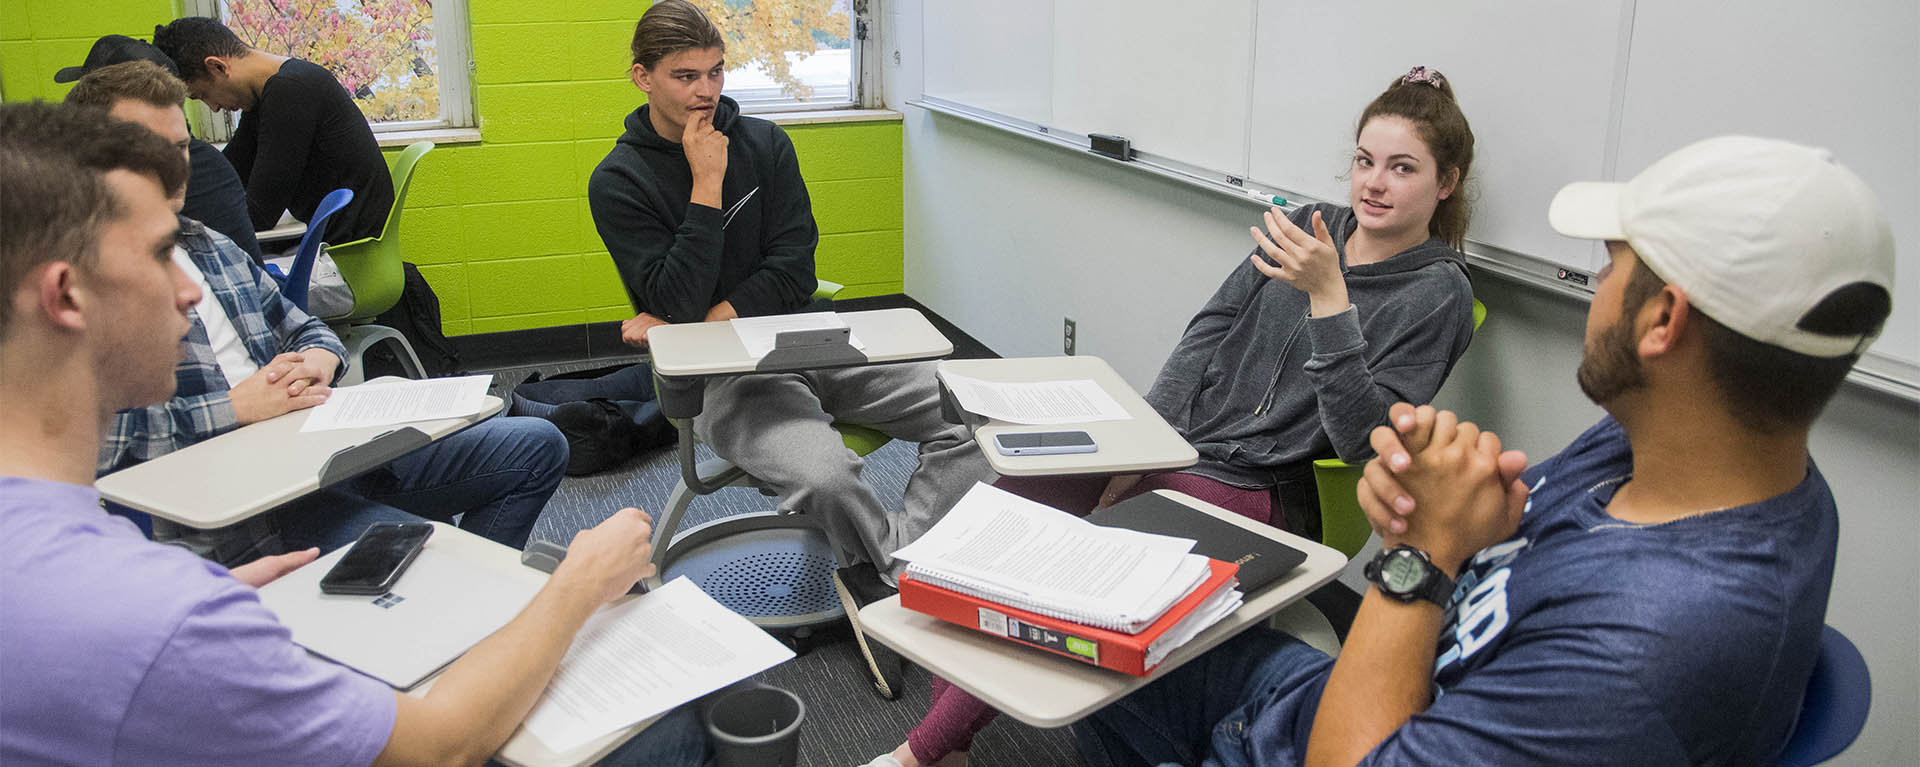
x: 1588, y: 640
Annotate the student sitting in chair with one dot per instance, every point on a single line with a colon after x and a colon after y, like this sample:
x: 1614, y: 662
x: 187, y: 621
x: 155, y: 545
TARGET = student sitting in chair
x: 705, y: 214
x: 300, y: 135
x: 121, y: 651
x: 1339, y: 312
x: 1653, y: 594
x: 215, y: 196
x: 253, y: 355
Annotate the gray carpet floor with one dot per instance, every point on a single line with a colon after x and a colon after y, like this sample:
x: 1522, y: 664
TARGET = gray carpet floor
x: 847, y: 723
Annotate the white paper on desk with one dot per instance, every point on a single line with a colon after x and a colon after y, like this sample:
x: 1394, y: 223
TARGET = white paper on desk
x: 759, y: 333
x: 643, y: 657
x: 388, y: 403
x: 1041, y: 558
x: 1035, y: 402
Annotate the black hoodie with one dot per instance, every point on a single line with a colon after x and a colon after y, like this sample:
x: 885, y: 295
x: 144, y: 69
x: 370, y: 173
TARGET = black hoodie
x: 679, y: 259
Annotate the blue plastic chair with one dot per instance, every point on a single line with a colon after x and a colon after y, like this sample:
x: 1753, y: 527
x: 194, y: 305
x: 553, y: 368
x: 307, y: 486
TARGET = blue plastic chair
x: 294, y: 284
x: 1835, y: 707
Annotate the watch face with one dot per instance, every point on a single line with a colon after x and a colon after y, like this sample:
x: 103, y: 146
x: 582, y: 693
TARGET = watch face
x: 1403, y: 572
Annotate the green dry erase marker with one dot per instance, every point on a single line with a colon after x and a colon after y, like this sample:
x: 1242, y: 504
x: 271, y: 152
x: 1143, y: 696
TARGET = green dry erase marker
x: 1271, y: 199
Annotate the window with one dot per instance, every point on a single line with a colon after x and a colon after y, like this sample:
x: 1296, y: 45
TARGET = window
x: 793, y: 54
x: 404, y: 61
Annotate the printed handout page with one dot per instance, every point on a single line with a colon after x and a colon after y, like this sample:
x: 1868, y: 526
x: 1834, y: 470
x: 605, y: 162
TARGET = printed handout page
x: 1032, y: 553
x: 1035, y: 402
x: 759, y: 333
x: 644, y: 657
x: 396, y: 402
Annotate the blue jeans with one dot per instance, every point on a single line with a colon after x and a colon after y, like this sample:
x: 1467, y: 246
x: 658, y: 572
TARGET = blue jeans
x: 676, y: 740
x: 496, y: 476
x: 1249, y: 701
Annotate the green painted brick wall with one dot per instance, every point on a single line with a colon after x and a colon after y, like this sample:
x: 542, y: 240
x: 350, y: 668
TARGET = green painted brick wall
x: 501, y: 228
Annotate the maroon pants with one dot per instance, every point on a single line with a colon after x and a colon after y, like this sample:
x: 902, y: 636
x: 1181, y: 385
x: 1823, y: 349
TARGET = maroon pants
x: 956, y: 716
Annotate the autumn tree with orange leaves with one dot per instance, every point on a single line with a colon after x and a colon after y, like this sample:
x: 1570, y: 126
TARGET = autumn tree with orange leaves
x: 381, y: 50
x: 763, y: 32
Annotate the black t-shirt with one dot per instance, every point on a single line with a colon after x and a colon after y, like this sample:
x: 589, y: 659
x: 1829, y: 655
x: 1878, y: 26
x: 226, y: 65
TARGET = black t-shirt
x: 216, y: 198
x: 303, y: 138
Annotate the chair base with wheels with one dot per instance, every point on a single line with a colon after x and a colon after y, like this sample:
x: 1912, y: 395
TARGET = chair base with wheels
x: 359, y: 338
x: 775, y: 568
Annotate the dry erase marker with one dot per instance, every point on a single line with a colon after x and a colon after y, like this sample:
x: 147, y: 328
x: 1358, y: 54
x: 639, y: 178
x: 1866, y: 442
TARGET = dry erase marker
x: 1271, y: 199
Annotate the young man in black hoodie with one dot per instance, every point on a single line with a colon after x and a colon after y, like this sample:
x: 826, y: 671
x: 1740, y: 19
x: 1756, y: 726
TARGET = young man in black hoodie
x: 707, y: 218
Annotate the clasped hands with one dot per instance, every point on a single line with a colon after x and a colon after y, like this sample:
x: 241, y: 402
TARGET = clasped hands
x: 1441, y: 485
x: 289, y: 382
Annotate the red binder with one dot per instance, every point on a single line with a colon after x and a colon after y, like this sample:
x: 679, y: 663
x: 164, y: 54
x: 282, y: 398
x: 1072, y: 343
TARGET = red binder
x: 1126, y: 653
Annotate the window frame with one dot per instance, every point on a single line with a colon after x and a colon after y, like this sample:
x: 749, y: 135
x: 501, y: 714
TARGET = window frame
x: 453, y: 51
x: 864, y: 72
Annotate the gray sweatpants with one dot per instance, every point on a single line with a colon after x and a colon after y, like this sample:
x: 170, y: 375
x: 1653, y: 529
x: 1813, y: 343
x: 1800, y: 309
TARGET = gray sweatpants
x: 778, y: 427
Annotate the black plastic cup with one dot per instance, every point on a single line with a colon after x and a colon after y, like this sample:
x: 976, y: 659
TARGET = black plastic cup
x: 756, y: 727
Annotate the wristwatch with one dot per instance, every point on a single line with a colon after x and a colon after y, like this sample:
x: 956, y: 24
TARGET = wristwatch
x: 1405, y: 573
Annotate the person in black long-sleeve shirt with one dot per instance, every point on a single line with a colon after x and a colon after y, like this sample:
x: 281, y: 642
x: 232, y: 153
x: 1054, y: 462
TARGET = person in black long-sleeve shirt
x: 300, y: 134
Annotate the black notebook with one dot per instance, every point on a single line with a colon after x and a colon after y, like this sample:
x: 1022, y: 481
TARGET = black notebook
x: 1262, y: 560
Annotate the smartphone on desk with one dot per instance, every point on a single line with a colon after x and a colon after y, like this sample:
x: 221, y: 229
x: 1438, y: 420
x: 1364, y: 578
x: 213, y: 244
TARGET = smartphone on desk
x: 1044, y: 442
x: 377, y: 560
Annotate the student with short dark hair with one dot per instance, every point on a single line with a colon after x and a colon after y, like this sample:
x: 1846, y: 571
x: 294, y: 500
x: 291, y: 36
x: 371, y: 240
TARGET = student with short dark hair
x: 121, y: 651
x: 1653, y: 594
x: 215, y: 196
x: 300, y: 135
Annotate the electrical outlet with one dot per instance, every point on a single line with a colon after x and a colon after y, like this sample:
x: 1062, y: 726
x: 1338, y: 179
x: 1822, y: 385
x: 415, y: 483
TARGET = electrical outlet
x: 1069, y: 337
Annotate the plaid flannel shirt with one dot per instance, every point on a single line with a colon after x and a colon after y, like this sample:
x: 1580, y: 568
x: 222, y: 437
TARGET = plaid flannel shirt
x: 202, y: 404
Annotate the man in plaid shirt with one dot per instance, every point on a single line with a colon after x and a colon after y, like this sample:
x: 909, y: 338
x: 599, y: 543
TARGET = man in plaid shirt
x: 253, y: 355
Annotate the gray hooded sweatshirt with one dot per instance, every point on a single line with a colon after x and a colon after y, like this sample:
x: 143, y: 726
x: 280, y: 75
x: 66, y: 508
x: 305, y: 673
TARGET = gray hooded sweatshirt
x: 1260, y: 388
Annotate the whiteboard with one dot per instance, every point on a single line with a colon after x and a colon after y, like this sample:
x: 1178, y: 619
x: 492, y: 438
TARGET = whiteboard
x: 1535, y: 79
x: 993, y: 54
x: 1845, y: 76
x: 1231, y: 95
x: 1171, y: 77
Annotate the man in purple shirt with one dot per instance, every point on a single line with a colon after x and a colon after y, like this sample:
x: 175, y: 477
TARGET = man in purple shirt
x: 121, y: 651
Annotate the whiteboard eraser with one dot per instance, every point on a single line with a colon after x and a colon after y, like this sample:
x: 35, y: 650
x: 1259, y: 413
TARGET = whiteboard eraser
x: 1116, y: 147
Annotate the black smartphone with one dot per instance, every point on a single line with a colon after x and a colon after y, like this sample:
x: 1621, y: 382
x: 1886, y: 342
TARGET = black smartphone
x: 376, y: 561
x: 1043, y: 442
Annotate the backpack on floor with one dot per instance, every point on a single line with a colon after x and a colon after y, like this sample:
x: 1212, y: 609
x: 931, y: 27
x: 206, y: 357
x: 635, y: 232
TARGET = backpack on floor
x: 417, y: 316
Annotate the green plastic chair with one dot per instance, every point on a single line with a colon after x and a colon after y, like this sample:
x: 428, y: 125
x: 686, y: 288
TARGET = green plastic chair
x: 1343, y: 525
x: 372, y: 268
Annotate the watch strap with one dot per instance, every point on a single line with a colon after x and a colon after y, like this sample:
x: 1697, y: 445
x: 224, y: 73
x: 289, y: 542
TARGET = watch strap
x: 1435, y: 587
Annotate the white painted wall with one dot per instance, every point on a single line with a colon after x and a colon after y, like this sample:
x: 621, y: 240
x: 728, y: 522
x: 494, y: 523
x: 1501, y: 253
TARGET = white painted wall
x: 1005, y: 237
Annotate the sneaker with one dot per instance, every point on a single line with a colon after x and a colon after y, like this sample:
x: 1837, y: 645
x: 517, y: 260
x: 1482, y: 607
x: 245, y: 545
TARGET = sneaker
x: 859, y: 586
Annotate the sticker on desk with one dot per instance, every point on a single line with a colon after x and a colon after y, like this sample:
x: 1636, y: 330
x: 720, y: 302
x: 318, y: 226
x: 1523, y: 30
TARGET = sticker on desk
x: 1052, y: 639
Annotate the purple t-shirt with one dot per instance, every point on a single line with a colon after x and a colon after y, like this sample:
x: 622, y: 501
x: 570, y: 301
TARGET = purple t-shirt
x: 116, y: 650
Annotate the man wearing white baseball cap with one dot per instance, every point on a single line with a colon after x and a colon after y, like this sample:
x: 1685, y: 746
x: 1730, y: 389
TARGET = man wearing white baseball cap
x: 1653, y: 594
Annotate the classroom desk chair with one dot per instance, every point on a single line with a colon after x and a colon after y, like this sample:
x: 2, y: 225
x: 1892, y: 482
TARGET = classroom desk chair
x: 776, y: 569
x: 1835, y: 707
x: 371, y: 266
x: 295, y: 282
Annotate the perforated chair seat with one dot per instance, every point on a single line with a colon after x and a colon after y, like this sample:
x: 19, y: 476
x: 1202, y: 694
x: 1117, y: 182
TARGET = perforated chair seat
x: 775, y: 569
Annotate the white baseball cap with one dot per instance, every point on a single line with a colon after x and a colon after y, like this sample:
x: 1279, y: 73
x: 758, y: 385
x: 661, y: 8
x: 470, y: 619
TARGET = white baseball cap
x: 1757, y: 231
